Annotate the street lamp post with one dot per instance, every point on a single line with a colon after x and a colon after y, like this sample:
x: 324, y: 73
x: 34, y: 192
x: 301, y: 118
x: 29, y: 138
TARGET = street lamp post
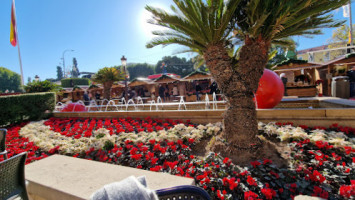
x: 64, y: 60
x: 124, y: 63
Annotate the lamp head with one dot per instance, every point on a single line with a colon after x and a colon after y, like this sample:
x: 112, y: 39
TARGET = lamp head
x: 124, y: 61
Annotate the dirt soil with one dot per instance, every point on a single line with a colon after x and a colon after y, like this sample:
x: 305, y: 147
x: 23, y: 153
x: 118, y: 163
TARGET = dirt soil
x: 276, y: 151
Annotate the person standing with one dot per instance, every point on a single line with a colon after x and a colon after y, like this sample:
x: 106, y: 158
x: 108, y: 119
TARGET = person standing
x: 167, y: 93
x: 86, y: 98
x: 284, y: 81
x: 198, y: 91
x: 213, y: 87
x: 351, y: 75
x: 162, y: 92
x: 97, y: 97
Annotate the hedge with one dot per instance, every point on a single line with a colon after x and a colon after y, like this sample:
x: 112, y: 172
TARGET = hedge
x: 18, y: 108
x: 71, y: 82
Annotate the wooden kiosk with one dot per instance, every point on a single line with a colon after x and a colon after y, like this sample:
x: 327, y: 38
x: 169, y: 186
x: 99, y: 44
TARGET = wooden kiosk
x: 169, y: 82
x: 144, y: 87
x: 336, y: 67
x: 204, y: 80
x: 301, y: 77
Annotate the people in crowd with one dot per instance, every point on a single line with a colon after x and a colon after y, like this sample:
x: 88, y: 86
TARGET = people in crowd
x: 162, y: 92
x: 213, y: 87
x: 198, y: 91
x: 167, y: 93
x: 351, y: 75
x: 132, y: 94
x: 97, y: 95
x: 284, y: 81
x: 141, y: 92
x: 86, y: 98
x: 146, y: 93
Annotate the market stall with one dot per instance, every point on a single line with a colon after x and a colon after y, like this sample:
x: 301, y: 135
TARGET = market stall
x: 169, y: 82
x: 333, y: 68
x: 301, y: 77
x: 143, y: 87
x: 203, y: 79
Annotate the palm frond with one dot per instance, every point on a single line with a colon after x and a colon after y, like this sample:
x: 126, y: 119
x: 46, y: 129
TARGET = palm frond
x: 196, y: 24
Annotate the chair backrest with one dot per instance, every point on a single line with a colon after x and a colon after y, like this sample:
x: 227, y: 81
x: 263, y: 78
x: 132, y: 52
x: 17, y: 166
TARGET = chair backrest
x: 183, y: 192
x: 12, y: 177
x: 2, y: 139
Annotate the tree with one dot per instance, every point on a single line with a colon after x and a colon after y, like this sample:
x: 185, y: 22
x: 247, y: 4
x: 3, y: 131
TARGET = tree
x: 75, y: 71
x: 207, y: 27
x: 41, y: 86
x: 59, y: 73
x: 279, y: 53
x: 107, y: 76
x: 29, y: 80
x: 140, y: 70
x: 175, y: 65
x: 341, y: 34
x: 9, y: 80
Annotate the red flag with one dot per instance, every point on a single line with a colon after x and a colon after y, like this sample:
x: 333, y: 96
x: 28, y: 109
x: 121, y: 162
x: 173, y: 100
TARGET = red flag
x: 13, y: 31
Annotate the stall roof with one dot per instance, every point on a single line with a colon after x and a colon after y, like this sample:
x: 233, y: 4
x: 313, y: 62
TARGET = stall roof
x: 166, y: 79
x: 119, y: 85
x: 140, y: 81
x: 155, y: 76
x: 344, y: 59
x: 293, y: 65
x: 198, y: 75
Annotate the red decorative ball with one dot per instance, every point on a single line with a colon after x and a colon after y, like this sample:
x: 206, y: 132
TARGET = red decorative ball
x: 270, y: 90
x: 74, y: 107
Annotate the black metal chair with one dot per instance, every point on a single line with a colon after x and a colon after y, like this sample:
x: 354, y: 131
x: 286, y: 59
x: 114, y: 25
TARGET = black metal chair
x: 12, y: 177
x: 183, y: 192
x: 3, y: 151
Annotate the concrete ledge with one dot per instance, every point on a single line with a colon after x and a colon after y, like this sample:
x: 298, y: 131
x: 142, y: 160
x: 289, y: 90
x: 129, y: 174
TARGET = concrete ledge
x: 310, y: 117
x: 63, y: 177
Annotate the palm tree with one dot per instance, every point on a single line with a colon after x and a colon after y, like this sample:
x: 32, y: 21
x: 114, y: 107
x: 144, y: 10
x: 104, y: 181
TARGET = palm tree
x: 208, y: 27
x: 107, y: 76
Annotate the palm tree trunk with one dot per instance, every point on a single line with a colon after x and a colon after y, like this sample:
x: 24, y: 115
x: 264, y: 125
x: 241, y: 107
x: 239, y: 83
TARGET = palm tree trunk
x: 238, y: 82
x: 107, y: 90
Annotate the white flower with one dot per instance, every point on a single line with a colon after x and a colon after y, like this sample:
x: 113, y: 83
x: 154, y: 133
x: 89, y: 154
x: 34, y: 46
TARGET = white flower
x: 338, y: 142
x: 316, y: 138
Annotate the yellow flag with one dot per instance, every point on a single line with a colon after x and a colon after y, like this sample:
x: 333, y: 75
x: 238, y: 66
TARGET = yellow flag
x: 13, y: 32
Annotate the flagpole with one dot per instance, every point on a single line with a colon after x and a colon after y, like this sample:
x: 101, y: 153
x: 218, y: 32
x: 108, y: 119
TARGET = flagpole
x: 18, y: 45
x: 351, y: 24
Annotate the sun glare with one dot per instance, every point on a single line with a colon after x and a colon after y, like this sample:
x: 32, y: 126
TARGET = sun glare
x: 147, y: 28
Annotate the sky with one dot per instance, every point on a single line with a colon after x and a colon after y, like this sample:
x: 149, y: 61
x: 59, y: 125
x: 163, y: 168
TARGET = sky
x: 99, y: 32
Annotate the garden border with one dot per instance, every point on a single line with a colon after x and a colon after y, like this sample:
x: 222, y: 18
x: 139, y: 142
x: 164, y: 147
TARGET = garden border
x: 309, y: 117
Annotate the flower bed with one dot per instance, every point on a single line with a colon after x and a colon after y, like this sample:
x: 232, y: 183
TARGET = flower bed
x: 322, y: 161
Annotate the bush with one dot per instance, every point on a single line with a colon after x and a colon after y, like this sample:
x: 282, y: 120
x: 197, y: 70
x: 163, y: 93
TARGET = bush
x: 41, y: 86
x: 71, y: 82
x: 17, y: 108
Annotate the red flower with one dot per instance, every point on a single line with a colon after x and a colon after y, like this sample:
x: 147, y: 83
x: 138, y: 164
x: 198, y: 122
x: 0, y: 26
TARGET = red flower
x: 136, y: 156
x: 249, y: 195
x: 251, y: 181
x: 267, y: 161
x: 226, y: 160
x: 220, y: 196
x: 255, y: 163
x: 156, y: 168
x: 268, y: 193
